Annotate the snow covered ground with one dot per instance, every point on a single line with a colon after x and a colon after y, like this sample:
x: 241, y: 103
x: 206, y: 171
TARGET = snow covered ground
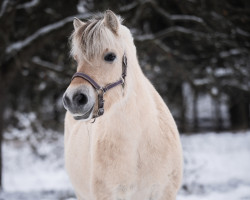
x: 216, y: 167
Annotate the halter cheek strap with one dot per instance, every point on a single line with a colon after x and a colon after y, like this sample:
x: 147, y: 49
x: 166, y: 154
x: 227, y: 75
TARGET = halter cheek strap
x: 102, y: 90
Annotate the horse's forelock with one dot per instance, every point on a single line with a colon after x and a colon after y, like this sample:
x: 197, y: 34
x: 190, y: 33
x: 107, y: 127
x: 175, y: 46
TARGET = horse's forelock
x: 92, y: 38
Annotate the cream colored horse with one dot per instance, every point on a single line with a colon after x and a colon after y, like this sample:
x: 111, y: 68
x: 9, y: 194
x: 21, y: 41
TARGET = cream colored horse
x: 132, y: 151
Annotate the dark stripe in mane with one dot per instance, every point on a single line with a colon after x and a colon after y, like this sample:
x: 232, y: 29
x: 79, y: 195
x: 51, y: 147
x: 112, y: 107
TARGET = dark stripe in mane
x: 92, y: 38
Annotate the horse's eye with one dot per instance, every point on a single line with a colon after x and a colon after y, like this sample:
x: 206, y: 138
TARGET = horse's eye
x: 110, y: 57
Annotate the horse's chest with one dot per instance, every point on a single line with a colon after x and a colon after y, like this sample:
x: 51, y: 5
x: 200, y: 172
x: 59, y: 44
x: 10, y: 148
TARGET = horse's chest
x: 91, y: 162
x: 78, y: 160
x: 109, y: 164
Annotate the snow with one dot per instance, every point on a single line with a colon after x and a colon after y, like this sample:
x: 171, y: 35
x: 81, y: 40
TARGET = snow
x: 128, y: 7
x: 231, y: 52
x: 187, y: 18
x: 220, y: 72
x: 216, y: 166
x: 47, y: 64
x: 176, y: 17
x: 200, y: 82
x: 214, y: 91
x: 17, y: 46
x: 3, y: 7
x: 205, y: 107
x: 242, y: 32
x: 27, y: 170
x: 169, y: 31
x: 29, y: 4
x: 81, y: 6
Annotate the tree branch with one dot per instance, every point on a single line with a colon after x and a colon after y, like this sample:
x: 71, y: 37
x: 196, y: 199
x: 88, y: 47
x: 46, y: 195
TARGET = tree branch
x: 3, y: 7
x: 128, y: 7
x: 170, y: 31
x: 49, y: 66
x: 29, y: 4
x: 176, y: 53
x: 20, y: 45
x: 175, y: 17
x: 232, y: 52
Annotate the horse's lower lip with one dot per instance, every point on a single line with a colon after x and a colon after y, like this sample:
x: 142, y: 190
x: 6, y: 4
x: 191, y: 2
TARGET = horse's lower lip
x: 85, y: 116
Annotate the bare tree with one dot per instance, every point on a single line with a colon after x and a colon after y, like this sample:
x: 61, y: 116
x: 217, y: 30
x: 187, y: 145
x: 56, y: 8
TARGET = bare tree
x: 203, y: 43
x: 26, y: 27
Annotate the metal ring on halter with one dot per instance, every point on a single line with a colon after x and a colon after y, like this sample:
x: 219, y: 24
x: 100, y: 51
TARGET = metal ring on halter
x: 103, y: 90
x: 100, y: 91
x: 123, y: 81
x: 94, y: 118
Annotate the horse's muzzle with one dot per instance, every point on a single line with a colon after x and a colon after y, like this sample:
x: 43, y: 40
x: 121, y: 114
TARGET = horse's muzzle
x: 79, y: 102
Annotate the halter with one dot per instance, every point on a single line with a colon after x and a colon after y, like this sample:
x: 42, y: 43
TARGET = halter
x: 102, y: 90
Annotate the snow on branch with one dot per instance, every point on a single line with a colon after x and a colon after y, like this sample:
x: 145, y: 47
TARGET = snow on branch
x: 176, y: 53
x: 242, y: 32
x: 48, y: 66
x: 3, y: 7
x: 19, y: 45
x: 222, y: 72
x: 232, y: 52
x: 29, y: 4
x: 202, y: 82
x: 170, y: 31
x: 128, y: 7
x: 236, y: 84
x: 81, y: 6
x: 176, y: 17
x: 186, y: 18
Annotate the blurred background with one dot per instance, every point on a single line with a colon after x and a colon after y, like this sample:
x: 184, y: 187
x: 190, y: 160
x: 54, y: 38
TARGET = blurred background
x: 195, y: 52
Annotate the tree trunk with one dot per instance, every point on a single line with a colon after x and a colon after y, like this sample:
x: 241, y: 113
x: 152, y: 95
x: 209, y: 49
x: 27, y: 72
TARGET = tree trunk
x: 183, y: 127
x: 2, y: 105
x: 239, y: 112
x: 218, y: 123
x: 195, y: 112
x: 7, y: 74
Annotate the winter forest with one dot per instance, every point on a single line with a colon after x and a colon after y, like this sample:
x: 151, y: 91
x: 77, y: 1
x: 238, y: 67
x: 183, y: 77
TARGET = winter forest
x: 195, y: 52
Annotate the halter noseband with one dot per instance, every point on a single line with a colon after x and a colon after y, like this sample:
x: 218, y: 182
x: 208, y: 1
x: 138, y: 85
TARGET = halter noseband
x: 102, y: 90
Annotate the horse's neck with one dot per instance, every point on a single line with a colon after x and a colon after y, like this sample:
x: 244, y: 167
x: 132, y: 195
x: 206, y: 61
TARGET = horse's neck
x: 136, y: 95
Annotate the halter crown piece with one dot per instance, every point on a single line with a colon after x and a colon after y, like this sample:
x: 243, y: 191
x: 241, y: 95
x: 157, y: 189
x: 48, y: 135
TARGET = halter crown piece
x: 102, y: 90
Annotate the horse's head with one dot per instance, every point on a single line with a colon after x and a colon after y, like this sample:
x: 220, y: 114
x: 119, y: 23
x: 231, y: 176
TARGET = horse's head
x: 98, y: 47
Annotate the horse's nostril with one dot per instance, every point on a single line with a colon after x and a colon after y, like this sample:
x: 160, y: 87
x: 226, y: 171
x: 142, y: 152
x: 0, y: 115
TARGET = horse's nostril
x: 66, y: 100
x: 80, y: 99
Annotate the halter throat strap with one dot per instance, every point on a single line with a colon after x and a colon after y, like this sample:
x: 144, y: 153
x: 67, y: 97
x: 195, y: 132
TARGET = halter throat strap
x: 102, y: 90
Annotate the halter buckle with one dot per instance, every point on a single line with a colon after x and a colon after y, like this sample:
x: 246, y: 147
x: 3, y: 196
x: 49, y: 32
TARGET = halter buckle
x: 123, y: 81
x: 100, y: 111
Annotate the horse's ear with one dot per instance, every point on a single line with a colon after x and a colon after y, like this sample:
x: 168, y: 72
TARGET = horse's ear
x: 77, y: 23
x: 111, y: 21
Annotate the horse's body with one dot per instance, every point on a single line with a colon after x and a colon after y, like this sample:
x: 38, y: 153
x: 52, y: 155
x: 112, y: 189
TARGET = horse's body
x: 133, y: 151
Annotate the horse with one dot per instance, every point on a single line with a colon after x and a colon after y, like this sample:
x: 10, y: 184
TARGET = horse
x: 121, y: 141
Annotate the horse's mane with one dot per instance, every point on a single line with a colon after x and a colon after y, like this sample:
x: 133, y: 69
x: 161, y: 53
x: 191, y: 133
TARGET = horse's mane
x: 92, y: 38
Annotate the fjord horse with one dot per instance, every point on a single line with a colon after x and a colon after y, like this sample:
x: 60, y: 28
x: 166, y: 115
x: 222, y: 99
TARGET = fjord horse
x: 121, y: 141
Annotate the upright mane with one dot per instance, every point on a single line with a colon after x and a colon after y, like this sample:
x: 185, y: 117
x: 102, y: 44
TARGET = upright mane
x: 92, y: 38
